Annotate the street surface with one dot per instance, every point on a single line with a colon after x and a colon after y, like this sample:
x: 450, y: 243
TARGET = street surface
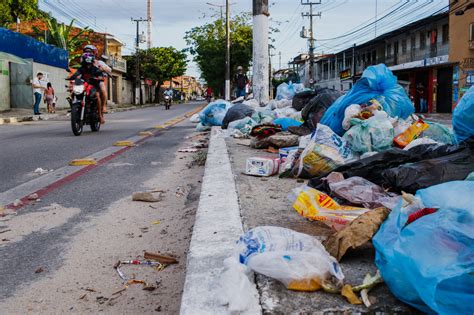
x: 57, y: 254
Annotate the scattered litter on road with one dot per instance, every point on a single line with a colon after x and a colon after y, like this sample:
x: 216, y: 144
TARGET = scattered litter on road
x: 164, y: 259
x: 17, y: 203
x: 5, y: 231
x: 159, y: 266
x: 180, y: 191
x: 188, y: 150
x: 262, y: 166
x: 147, y: 196
x: 39, y: 270
x: 41, y: 171
x: 156, y: 222
x: 349, y: 294
x: 33, y: 196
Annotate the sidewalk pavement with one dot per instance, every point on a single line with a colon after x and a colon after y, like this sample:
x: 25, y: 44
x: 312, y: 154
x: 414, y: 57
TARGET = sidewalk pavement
x: 18, y: 115
x: 232, y: 202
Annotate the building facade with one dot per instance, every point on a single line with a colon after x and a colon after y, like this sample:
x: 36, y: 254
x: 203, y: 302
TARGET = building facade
x: 417, y: 53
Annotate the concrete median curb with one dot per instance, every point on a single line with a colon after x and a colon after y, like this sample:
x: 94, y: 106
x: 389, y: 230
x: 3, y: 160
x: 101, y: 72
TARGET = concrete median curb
x: 217, y: 227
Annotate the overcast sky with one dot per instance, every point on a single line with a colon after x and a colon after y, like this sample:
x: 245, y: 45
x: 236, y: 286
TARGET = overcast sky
x: 173, y: 18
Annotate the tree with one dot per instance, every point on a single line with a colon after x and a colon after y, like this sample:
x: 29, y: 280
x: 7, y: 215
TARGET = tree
x: 158, y: 63
x: 207, y: 43
x: 25, y: 10
x: 65, y: 36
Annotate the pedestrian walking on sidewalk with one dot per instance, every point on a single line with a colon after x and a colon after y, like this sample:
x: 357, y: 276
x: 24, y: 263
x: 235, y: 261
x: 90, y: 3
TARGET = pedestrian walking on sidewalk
x: 422, y: 96
x: 38, y: 90
x: 49, y: 98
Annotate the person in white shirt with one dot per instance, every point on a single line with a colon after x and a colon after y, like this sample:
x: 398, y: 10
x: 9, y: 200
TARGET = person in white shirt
x: 38, y: 89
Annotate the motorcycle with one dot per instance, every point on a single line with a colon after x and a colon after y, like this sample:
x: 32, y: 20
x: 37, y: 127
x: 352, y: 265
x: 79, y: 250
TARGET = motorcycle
x: 167, y: 102
x: 84, y: 109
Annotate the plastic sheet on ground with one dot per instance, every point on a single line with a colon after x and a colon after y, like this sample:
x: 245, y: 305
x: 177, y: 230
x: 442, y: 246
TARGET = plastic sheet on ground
x: 214, y: 113
x: 359, y: 191
x: 371, y: 168
x: 236, y: 112
x: 297, y: 260
x: 377, y: 82
x: 463, y: 116
x: 413, y: 176
x: 373, y: 134
x: 429, y: 263
x: 316, y: 205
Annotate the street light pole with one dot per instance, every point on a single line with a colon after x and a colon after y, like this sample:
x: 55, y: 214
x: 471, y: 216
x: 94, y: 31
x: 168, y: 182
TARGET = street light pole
x: 137, y: 61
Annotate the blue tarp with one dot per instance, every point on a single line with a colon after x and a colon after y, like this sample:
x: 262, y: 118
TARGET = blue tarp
x: 29, y: 48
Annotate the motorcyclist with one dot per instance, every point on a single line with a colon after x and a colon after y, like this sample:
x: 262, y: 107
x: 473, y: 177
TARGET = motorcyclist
x: 107, y: 71
x: 169, y: 92
x: 92, y: 75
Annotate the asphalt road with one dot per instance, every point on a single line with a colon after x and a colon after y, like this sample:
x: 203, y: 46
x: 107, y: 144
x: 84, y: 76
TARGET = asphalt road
x: 51, y: 144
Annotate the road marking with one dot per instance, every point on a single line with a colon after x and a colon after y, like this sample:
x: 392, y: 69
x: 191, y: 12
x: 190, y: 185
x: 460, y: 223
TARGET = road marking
x: 82, y: 162
x: 45, y: 184
x: 145, y: 133
x: 124, y: 143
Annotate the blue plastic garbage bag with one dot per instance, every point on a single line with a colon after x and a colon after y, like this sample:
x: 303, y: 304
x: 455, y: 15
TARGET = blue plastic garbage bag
x: 429, y: 263
x: 285, y: 91
x: 463, y: 116
x: 286, y: 122
x: 377, y: 82
x: 214, y: 113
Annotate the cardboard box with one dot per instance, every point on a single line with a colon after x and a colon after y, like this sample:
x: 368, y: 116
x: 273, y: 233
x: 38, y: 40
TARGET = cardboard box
x: 262, y: 166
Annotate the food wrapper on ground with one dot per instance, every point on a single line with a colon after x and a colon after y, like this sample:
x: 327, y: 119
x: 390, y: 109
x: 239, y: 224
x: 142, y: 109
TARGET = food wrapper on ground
x: 316, y: 205
x: 356, y: 233
x: 323, y: 153
x: 413, y: 132
x: 297, y: 260
x: 429, y: 263
x: 373, y: 134
x: 262, y: 166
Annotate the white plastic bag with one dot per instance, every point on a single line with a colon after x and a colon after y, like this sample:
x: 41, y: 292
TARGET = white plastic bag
x: 350, y: 112
x: 252, y: 103
x: 419, y: 141
x: 194, y: 118
x: 297, y: 260
x: 285, y: 112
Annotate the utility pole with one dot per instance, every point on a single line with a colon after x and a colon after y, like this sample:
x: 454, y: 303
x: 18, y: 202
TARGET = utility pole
x: 261, y: 78
x: 375, y: 27
x: 149, y: 22
x: 310, y: 15
x: 220, y: 6
x: 137, y: 61
x: 270, y: 71
x: 279, y: 60
x: 227, y: 50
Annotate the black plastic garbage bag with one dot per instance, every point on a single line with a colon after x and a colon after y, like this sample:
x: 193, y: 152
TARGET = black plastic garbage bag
x: 371, y: 168
x: 236, y: 112
x: 413, y: 176
x: 302, y: 98
x: 318, y: 105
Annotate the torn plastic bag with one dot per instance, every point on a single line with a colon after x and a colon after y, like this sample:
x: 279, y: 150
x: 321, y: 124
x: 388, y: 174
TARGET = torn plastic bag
x: 463, y: 116
x: 316, y: 205
x: 286, y: 122
x: 302, y: 98
x: 323, y: 153
x: 244, y: 125
x: 439, y: 133
x: 297, y: 260
x: 214, y: 113
x: 236, y: 112
x: 377, y: 82
x: 359, y: 191
x: 429, y: 263
x: 318, y: 105
x: 413, y: 176
x: 371, y: 167
x: 373, y: 134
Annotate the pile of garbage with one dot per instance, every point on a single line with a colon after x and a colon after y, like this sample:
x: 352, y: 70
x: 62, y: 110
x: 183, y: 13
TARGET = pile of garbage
x: 376, y: 172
